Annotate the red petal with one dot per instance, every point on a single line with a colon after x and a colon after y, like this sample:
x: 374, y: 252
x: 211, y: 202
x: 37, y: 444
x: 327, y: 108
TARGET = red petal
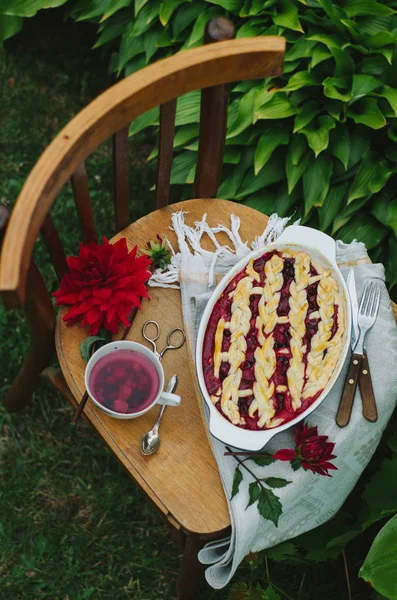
x: 286, y: 454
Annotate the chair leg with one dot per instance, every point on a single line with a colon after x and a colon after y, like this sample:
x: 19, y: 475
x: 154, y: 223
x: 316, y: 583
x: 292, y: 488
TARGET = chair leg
x: 40, y: 318
x: 191, y: 570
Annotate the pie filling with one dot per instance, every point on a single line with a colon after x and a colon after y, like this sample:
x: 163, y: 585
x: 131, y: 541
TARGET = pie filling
x: 273, y: 340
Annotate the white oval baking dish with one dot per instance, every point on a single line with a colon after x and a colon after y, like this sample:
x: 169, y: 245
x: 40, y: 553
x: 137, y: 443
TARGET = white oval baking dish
x: 323, y: 249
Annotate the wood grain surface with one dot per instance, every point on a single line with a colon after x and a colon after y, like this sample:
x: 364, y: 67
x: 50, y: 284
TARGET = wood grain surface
x: 182, y: 477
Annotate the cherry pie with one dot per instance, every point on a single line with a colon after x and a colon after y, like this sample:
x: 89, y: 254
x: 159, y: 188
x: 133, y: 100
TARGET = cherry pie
x: 273, y: 340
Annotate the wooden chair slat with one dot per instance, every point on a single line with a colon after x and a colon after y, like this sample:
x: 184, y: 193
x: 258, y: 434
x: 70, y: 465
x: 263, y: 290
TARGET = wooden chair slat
x: 82, y: 200
x: 54, y: 246
x: 166, y: 147
x: 213, y: 121
x: 214, y: 64
x: 121, y: 178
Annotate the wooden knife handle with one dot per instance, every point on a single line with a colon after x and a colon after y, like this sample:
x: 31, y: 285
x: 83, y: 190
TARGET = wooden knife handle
x: 367, y: 393
x: 346, y: 403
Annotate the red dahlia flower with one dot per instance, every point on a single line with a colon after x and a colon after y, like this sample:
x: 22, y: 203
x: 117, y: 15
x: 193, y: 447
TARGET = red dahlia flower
x: 312, y: 451
x: 104, y: 283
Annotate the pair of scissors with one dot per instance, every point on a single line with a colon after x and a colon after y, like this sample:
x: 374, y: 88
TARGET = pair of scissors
x: 170, y: 345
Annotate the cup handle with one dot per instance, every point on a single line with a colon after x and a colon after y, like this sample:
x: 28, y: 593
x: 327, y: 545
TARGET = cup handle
x: 169, y: 399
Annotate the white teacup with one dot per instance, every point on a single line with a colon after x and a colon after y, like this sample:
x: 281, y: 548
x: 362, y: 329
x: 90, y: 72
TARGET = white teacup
x: 161, y: 396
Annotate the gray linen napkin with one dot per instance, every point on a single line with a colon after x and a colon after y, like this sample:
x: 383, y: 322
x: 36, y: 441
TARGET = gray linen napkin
x: 310, y: 499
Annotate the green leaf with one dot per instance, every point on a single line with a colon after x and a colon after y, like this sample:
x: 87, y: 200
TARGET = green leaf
x: 113, y: 28
x: 185, y: 15
x: 274, y: 172
x: 276, y: 482
x: 391, y: 271
x: 385, y: 210
x: 149, y: 41
x: 182, y: 165
x: 269, y: 506
x: 302, y: 48
x: 295, y: 171
x: 288, y: 17
x: 359, y: 144
x: 391, y: 96
x: 330, y: 41
x: 354, y: 8
x: 308, y: 111
x: 9, y: 26
x: 328, y: 211
x: 360, y: 185
x: 244, y: 114
x: 363, y: 85
x: 85, y: 9
x: 281, y: 551
x: 343, y: 61
x: 317, y: 133
x: 232, y: 5
x: 300, y: 80
x: 266, y: 204
x: 337, y: 88
x: 151, y: 117
x: 340, y: 144
x: 197, y: 35
x: 316, y: 182
x: 392, y: 442
x: 364, y: 228
x: 188, y: 109
x: 167, y: 8
x: 263, y: 461
x: 380, y: 566
x: 27, y: 8
x: 366, y: 111
x: 114, y: 7
x: 237, y: 479
x: 129, y: 48
x: 138, y: 4
x: 145, y: 18
x: 254, y: 490
x: 88, y: 346
x: 320, y: 53
x: 381, y: 176
x: 274, y: 136
x: 279, y: 107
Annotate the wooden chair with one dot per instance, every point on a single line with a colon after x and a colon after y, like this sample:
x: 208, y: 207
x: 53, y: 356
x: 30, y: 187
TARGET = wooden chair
x: 182, y: 478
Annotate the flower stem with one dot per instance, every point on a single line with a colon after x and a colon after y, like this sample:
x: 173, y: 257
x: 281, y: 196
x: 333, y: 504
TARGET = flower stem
x: 248, y: 454
x: 230, y: 453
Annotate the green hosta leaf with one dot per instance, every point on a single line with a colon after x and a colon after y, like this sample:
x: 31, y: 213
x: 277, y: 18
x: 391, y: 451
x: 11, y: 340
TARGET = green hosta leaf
x: 354, y: 8
x: 380, y: 177
x: 347, y: 211
x: 188, y: 109
x: 182, y: 165
x: 367, y: 112
x: 250, y: 29
x: 197, y: 35
x: 363, y: 85
x: 320, y: 53
x: 296, y: 148
x: 364, y: 228
x: 281, y: 551
x: 167, y: 8
x: 300, y: 80
x: 274, y: 136
x: 265, y: 203
x: 337, y: 88
x: 380, y: 566
x: 279, y: 107
x: 148, y: 13
x: 385, y: 210
x: 340, y: 144
x: 232, y: 5
x: 330, y: 41
x: 374, y: 24
x: 230, y: 185
x: 88, y: 346
x: 316, y: 182
x: 9, y: 26
x: 129, y: 48
x: 276, y: 482
x: 27, y: 8
x: 149, y: 41
x: 343, y: 61
x: 138, y: 4
x: 359, y: 144
x: 373, y: 65
x: 317, y: 133
x: 288, y: 17
x: 134, y: 65
x: 113, y: 28
x: 114, y: 6
x: 332, y: 203
x: 273, y: 173
x: 360, y: 185
x: 185, y: 15
x: 308, y: 111
x: 269, y: 506
x: 263, y: 461
x: 244, y: 114
x: 85, y: 9
x: 254, y: 491
x: 237, y: 479
x: 151, y: 117
x: 295, y: 171
x: 392, y: 443
x: 391, y: 271
x: 391, y: 96
x: 302, y: 48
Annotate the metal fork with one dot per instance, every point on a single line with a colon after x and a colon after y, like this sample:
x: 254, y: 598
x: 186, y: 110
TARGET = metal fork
x: 367, y: 314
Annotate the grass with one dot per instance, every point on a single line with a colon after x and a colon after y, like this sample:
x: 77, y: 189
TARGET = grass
x: 72, y: 524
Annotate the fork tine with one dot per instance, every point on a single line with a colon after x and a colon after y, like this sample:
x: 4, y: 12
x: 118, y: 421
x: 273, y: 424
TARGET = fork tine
x: 375, y: 305
x: 364, y: 299
x: 371, y: 295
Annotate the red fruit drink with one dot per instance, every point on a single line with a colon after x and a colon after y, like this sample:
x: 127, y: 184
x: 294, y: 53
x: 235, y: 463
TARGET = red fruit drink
x: 125, y: 381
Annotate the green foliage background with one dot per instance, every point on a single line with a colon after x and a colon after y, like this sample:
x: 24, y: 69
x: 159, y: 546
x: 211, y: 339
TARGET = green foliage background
x: 318, y: 141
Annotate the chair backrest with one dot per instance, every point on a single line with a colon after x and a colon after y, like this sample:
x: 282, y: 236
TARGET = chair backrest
x: 208, y: 68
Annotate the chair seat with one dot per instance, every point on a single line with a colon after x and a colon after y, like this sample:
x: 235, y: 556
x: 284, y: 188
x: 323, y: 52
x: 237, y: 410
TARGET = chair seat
x: 182, y: 478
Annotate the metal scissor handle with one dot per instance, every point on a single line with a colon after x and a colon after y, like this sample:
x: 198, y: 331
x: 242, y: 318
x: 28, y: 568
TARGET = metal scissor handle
x: 170, y: 345
x: 152, y: 340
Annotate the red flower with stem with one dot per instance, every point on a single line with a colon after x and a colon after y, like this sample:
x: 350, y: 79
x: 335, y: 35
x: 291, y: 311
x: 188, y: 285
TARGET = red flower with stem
x: 313, y: 452
x: 104, y: 283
